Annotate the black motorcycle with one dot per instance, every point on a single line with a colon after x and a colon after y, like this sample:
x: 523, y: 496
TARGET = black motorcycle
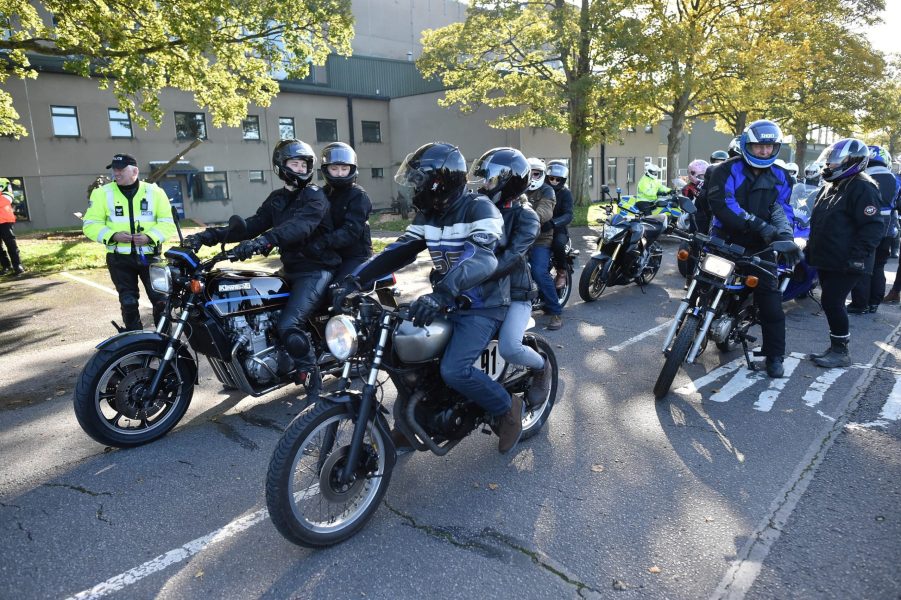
x: 333, y: 464
x: 719, y: 303
x: 563, y: 293
x: 138, y: 384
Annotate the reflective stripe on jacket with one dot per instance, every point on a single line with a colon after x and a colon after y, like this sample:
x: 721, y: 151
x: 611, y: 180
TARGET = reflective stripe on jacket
x: 111, y: 212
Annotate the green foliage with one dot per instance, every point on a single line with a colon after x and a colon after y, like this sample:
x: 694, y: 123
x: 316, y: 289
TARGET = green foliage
x: 224, y: 51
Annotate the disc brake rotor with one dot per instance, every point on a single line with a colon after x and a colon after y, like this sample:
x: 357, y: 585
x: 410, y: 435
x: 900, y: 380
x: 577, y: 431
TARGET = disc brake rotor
x: 129, y: 392
x: 331, y: 488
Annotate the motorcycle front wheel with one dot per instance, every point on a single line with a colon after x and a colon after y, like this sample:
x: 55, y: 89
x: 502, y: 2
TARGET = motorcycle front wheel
x: 591, y: 284
x: 307, y: 503
x: 109, y: 403
x: 676, y: 356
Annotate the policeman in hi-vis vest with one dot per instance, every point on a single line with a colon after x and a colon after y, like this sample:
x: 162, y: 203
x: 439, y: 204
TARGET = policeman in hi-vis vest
x: 132, y: 219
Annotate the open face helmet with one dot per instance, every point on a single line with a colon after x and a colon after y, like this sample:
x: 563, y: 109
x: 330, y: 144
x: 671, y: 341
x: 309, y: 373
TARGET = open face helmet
x: 718, y: 156
x: 339, y: 153
x: 539, y: 170
x: 696, y: 171
x: 845, y: 158
x: 761, y: 132
x: 558, y: 170
x: 879, y: 157
x: 501, y: 174
x: 286, y: 150
x: 435, y: 174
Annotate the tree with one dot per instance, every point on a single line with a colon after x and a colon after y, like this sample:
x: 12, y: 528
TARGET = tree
x: 555, y: 64
x: 225, y: 52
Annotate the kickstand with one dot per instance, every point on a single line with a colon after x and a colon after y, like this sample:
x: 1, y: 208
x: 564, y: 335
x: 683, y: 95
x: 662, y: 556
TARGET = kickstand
x: 812, y: 297
x: 118, y: 327
x: 744, y: 347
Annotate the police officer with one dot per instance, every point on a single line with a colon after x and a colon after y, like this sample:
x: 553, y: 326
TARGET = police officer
x: 749, y: 200
x: 10, y: 259
x: 292, y: 218
x: 648, y: 189
x: 557, y: 174
x: 132, y: 219
x: 543, y: 201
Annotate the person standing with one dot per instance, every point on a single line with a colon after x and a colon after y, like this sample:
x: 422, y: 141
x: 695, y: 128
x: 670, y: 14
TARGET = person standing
x: 543, y: 200
x: 9, y: 260
x: 132, y: 219
x: 845, y: 229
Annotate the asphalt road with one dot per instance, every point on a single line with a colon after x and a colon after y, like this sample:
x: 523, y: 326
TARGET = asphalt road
x: 743, y: 487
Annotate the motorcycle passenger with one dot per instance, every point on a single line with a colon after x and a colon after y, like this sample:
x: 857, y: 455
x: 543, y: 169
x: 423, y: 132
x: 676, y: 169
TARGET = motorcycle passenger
x: 845, y: 229
x: 697, y: 169
x: 792, y: 169
x: 292, y: 218
x: 648, y: 189
x: 718, y: 156
x: 350, y: 210
x: 734, y: 147
x: 749, y: 200
x: 543, y: 200
x: 812, y: 174
x: 461, y: 231
x: 867, y: 294
x: 503, y: 174
x: 557, y: 173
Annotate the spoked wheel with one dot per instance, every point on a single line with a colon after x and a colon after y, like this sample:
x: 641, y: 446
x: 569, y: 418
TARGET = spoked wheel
x: 109, y: 398
x: 591, y: 284
x: 566, y: 291
x: 534, y: 416
x: 308, y: 503
x: 676, y: 356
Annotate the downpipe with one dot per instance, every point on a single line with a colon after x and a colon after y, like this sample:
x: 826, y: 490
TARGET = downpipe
x: 680, y: 312
x: 420, y: 432
x: 702, y: 332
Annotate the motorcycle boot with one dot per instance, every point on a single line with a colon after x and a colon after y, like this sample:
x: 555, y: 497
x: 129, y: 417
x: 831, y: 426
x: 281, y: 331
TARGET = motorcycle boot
x: 131, y: 317
x: 560, y: 279
x: 837, y: 355
x: 774, y: 368
x: 892, y: 297
x: 509, y: 428
x: 541, y: 385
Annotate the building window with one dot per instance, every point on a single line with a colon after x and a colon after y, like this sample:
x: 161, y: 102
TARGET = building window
x: 372, y: 132
x: 256, y: 176
x: 20, y: 203
x: 211, y: 185
x: 251, y: 127
x: 590, y: 172
x: 119, y: 124
x: 661, y: 162
x: 611, y: 170
x: 326, y: 130
x: 65, y: 121
x: 286, y: 128
x: 649, y: 129
x: 190, y: 126
x: 630, y: 170
x: 378, y: 173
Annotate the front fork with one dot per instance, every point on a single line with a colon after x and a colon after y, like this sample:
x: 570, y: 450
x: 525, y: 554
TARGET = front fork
x: 151, y: 392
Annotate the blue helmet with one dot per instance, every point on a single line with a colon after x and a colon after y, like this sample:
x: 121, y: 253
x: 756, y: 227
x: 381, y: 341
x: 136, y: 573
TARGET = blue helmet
x: 761, y: 132
x: 879, y: 156
x: 845, y: 158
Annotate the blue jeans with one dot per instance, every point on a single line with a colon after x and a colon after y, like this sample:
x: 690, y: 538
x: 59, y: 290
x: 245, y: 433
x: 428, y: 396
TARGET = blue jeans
x: 510, y: 338
x: 539, y: 261
x: 471, y: 335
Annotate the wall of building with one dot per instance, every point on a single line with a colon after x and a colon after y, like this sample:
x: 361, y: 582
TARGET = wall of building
x: 392, y: 28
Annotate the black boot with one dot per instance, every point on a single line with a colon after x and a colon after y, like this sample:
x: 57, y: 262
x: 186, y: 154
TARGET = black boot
x: 857, y: 310
x: 837, y: 355
x: 774, y: 368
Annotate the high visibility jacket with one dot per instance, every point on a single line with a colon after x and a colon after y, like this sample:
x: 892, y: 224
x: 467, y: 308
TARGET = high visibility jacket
x: 149, y: 212
x: 7, y: 215
x: 648, y: 188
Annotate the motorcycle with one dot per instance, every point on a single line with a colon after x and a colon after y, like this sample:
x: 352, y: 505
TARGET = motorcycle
x: 563, y: 293
x: 333, y: 464
x: 719, y: 304
x: 138, y: 384
x: 627, y: 249
x: 803, y: 278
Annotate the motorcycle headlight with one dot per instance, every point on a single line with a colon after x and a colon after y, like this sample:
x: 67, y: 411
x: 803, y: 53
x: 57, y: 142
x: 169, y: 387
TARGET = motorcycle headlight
x: 161, y: 278
x: 341, y: 337
x: 717, y: 265
x: 611, y: 231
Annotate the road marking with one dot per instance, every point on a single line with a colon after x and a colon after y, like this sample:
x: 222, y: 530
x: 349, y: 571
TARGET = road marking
x: 891, y: 410
x: 766, y: 400
x: 742, y: 380
x: 142, y: 302
x: 814, y: 394
x: 695, y: 385
x: 639, y: 337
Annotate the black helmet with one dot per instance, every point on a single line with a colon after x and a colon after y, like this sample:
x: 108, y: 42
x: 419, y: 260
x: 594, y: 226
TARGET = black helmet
x: 339, y: 153
x: 436, y: 172
x: 286, y: 150
x: 718, y: 157
x: 558, y: 169
x: 501, y: 174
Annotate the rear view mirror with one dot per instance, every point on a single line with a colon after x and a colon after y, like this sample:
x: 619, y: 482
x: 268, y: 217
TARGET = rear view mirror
x: 687, y: 205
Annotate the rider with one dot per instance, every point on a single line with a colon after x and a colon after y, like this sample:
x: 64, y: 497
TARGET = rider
x: 718, y: 156
x: 292, y: 218
x: 557, y: 173
x: 793, y: 170
x: 696, y: 172
x: 461, y: 231
x: 749, y: 200
x: 648, y: 189
x: 867, y: 294
x: 543, y: 200
x: 503, y: 174
x: 350, y: 209
x: 812, y: 174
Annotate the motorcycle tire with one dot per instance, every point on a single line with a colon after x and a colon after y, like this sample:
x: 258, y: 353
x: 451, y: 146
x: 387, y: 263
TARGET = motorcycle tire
x: 676, y: 356
x: 534, y: 417
x: 590, y: 285
x: 300, y: 453
x: 650, y: 271
x: 566, y: 291
x: 105, y: 394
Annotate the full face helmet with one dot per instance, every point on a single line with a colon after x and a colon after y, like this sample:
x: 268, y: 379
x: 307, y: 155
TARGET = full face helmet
x: 339, y: 153
x: 558, y: 170
x: 879, y: 157
x: 812, y: 171
x: 284, y: 151
x: 845, y: 158
x: 435, y: 173
x: 761, y: 132
x: 734, y: 147
x: 719, y: 156
x: 539, y: 169
x: 792, y: 169
x: 652, y: 170
x: 696, y: 171
x: 501, y: 174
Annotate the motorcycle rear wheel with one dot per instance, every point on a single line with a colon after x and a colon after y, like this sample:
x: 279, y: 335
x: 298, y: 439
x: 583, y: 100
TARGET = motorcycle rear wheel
x: 306, y: 502
x: 591, y: 286
x: 107, y: 403
x: 676, y: 356
x: 534, y: 417
x: 566, y: 291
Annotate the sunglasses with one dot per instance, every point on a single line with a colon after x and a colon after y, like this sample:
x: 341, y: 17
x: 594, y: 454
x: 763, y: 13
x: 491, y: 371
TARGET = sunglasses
x: 553, y: 178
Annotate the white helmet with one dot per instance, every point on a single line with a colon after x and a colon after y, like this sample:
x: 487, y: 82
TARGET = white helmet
x: 652, y: 170
x: 779, y: 162
x: 792, y: 168
x: 812, y: 170
x: 536, y: 180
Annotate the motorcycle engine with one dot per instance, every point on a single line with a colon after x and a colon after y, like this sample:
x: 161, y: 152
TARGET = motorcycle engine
x: 720, y: 329
x: 263, y: 361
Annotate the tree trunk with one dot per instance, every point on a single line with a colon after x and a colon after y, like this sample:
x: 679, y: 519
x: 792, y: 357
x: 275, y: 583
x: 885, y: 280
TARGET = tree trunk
x: 673, y: 145
x: 801, y: 150
x: 578, y: 170
x: 741, y: 121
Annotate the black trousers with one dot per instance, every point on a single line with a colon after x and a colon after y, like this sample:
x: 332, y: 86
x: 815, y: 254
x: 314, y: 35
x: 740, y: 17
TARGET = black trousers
x: 125, y: 270
x: 870, y: 288
x: 9, y: 258
x: 558, y: 249
x: 836, y: 286
x: 308, y: 290
x: 768, y: 301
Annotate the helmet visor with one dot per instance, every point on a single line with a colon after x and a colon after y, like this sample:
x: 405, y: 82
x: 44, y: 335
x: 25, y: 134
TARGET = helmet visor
x: 409, y: 176
x: 488, y: 176
x: 339, y: 155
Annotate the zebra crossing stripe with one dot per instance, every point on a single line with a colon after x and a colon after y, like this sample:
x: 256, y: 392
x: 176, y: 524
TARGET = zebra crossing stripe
x: 741, y: 381
x: 766, y: 400
x: 693, y: 386
x: 814, y: 393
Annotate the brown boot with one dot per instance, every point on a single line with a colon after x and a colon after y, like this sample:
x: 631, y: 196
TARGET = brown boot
x: 892, y: 297
x: 509, y: 428
x: 541, y: 385
x: 555, y: 323
x: 560, y: 280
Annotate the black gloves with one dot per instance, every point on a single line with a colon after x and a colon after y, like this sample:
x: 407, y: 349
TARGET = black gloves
x: 766, y: 231
x: 547, y: 225
x: 207, y: 237
x: 857, y: 266
x: 792, y: 257
x: 342, y: 289
x: 247, y: 248
x: 425, y: 308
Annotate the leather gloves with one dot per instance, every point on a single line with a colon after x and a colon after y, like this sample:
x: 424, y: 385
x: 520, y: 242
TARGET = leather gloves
x: 207, y: 237
x: 247, y: 248
x: 342, y: 289
x: 766, y: 231
x: 792, y: 257
x: 426, y: 308
x: 857, y: 266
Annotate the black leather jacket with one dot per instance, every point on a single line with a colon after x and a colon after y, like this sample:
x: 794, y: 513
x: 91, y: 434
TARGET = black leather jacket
x: 520, y: 230
x: 350, y: 209
x: 563, y: 210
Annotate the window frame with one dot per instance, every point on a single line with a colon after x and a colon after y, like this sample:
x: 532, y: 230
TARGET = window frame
x: 201, y: 121
x: 377, y: 173
x: 378, y: 130
x: 283, y: 122
x: 200, y: 186
x: 630, y: 169
x: 612, y: 161
x: 253, y: 179
x: 590, y: 168
x: 111, y: 119
x: 322, y: 123
x: 54, y: 117
x: 259, y: 132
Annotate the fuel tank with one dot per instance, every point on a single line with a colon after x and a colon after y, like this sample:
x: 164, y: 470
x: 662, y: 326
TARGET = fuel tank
x: 244, y: 292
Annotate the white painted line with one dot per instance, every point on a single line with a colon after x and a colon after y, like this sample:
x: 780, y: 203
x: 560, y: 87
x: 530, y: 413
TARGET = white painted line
x: 741, y: 381
x: 892, y: 408
x: 766, y: 399
x: 710, y: 377
x: 102, y: 288
x: 814, y: 394
x: 640, y: 336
